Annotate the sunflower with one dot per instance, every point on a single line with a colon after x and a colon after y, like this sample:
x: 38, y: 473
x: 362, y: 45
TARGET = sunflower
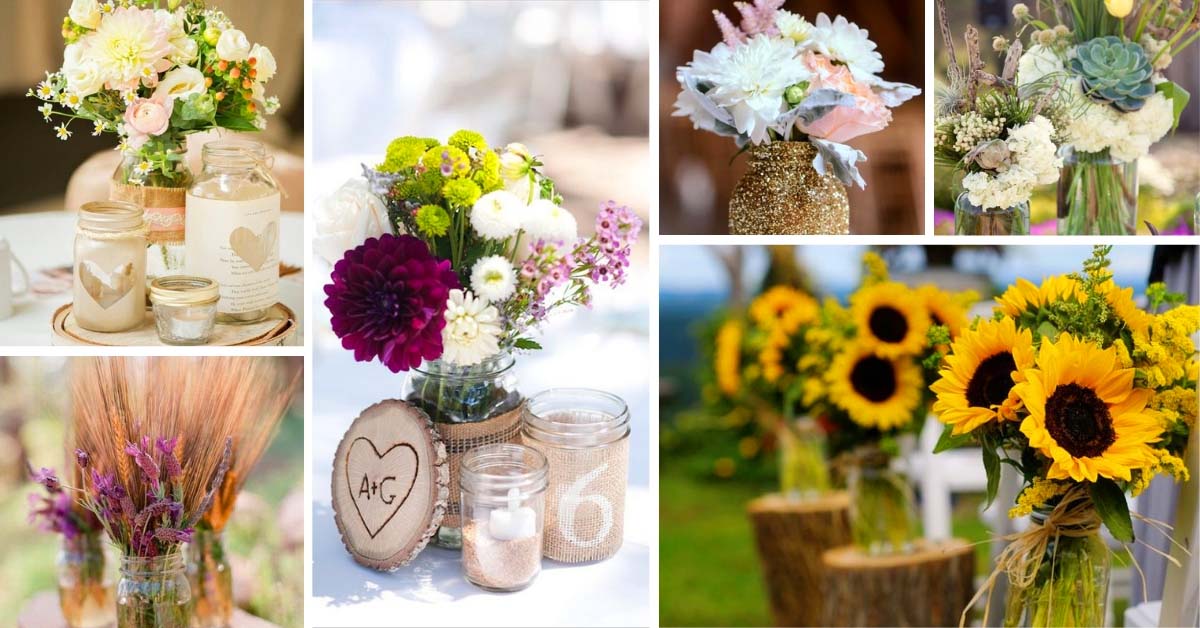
x: 1121, y: 302
x: 783, y: 307
x: 727, y: 357
x: 890, y: 319
x: 976, y: 384
x: 875, y: 391
x: 1085, y: 414
x: 943, y: 309
x: 1024, y: 296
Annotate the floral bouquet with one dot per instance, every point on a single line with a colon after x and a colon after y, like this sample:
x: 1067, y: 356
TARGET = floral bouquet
x: 778, y: 78
x: 1004, y: 143
x: 865, y: 372
x: 152, y: 72
x: 1105, y: 61
x: 1088, y: 397
x: 85, y: 592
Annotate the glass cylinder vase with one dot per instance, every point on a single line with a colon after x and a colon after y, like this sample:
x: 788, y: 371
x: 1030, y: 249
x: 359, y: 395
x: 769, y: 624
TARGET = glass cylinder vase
x: 1071, y: 586
x: 470, y: 406
x: 971, y: 219
x: 803, y: 468
x: 85, y: 583
x: 210, y: 579
x: 154, y: 592
x: 883, y: 519
x: 1097, y: 195
x: 503, y: 497
x: 781, y: 193
x: 157, y: 177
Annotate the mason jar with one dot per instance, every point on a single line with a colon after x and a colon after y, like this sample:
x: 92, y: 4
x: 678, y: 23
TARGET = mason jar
x: 232, y: 234
x: 502, y: 500
x: 584, y: 435
x: 110, y: 267
x: 470, y: 406
x: 185, y: 309
x: 210, y: 578
x: 154, y: 592
x: 85, y: 585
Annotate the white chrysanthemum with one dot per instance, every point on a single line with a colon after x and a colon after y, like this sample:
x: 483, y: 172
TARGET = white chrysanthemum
x: 126, y: 43
x: 346, y: 219
x: 472, y: 329
x: 493, y: 278
x: 750, y: 81
x: 498, y: 215
x: 548, y: 221
x: 844, y: 41
x: 793, y: 26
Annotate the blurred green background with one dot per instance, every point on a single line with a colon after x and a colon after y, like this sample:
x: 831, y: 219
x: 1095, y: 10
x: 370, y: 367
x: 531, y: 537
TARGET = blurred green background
x: 265, y: 536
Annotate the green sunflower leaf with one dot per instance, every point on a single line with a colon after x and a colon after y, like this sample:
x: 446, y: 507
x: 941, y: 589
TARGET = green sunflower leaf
x: 1109, y: 500
x: 991, y: 464
x: 949, y: 441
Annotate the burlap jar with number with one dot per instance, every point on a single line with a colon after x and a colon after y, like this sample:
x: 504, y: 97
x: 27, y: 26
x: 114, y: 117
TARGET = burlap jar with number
x: 584, y: 435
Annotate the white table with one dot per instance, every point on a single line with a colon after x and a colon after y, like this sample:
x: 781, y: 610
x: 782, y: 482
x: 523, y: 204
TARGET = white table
x: 607, y: 348
x: 46, y: 240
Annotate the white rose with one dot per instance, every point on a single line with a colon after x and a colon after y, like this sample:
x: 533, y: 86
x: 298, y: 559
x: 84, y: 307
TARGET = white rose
x: 82, y: 74
x: 85, y: 13
x: 346, y: 219
x: 233, y: 46
x: 181, y: 83
x: 264, y: 63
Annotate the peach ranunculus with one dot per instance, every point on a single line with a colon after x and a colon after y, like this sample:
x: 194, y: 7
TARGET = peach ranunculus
x: 844, y: 123
x: 146, y: 117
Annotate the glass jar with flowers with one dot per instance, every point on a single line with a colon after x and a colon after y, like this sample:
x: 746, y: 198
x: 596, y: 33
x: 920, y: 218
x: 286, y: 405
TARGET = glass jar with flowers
x: 189, y: 70
x: 487, y: 251
x: 775, y: 88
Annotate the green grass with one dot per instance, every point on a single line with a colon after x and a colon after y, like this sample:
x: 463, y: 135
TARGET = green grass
x: 709, y: 573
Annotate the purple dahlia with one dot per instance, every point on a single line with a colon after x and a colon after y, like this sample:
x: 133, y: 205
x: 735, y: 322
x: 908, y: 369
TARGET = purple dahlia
x: 388, y: 300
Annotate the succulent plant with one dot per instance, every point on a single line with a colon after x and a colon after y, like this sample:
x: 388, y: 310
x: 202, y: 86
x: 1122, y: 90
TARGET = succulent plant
x: 1113, y: 71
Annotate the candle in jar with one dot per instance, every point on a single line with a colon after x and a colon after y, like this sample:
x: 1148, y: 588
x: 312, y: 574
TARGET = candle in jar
x: 513, y: 522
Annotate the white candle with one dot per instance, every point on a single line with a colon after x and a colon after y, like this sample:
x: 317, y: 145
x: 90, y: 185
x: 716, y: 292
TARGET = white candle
x: 514, y: 522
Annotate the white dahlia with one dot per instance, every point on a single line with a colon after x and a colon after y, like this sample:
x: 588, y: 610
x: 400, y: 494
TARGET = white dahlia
x: 548, y: 221
x: 751, y: 81
x: 472, y: 329
x: 844, y: 41
x: 127, y: 44
x: 498, y: 215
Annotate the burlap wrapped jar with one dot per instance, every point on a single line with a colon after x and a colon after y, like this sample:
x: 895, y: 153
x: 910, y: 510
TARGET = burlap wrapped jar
x: 782, y: 194
x: 584, y: 435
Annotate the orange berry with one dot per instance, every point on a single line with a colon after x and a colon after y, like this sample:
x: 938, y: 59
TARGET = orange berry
x: 235, y: 72
x: 207, y: 82
x: 250, y: 106
x: 220, y: 96
x: 247, y: 83
x: 222, y: 65
x: 252, y: 61
x: 253, y: 73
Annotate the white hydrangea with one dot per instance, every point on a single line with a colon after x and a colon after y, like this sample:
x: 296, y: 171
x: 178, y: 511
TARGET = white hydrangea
x: 1034, y: 161
x: 493, y: 278
x: 548, y: 221
x: 498, y: 215
x: 1000, y: 191
x: 472, y: 329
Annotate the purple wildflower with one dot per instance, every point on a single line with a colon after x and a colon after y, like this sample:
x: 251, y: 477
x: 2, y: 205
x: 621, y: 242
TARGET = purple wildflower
x: 167, y: 448
x: 141, y: 455
x: 48, y: 479
x: 82, y: 458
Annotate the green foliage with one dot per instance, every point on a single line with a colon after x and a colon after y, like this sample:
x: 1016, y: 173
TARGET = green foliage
x: 1109, y: 500
x: 1178, y: 96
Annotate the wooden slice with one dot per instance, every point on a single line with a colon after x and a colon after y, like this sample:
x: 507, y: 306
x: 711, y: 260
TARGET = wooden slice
x: 791, y: 536
x: 928, y: 587
x: 390, y: 484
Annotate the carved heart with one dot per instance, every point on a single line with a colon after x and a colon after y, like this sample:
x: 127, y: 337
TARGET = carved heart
x: 255, y: 249
x: 106, y: 288
x: 379, y: 484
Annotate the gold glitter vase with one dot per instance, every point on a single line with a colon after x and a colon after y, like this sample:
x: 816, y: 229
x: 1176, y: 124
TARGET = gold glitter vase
x: 782, y: 194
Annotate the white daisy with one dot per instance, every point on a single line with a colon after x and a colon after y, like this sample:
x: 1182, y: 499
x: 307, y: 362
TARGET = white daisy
x: 548, y: 221
x: 46, y: 110
x: 497, y: 215
x: 98, y: 127
x: 45, y: 91
x: 62, y: 132
x: 72, y: 100
x: 472, y: 329
x: 143, y: 168
x: 844, y: 41
x: 493, y: 278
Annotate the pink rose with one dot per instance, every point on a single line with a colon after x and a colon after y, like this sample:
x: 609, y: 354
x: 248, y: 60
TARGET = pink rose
x: 844, y: 123
x: 147, y: 117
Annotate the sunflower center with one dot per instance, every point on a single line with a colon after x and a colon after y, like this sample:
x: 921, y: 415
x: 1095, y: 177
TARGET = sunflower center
x: 888, y: 324
x: 1079, y: 421
x: 874, y: 378
x: 992, y: 380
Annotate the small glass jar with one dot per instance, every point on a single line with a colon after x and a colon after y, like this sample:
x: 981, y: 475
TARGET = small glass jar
x: 502, y: 499
x: 883, y: 519
x: 584, y: 435
x: 971, y: 219
x: 185, y: 309
x: 211, y: 579
x: 1097, y: 194
x: 110, y: 267
x: 803, y: 469
x: 154, y: 592
x: 85, y: 583
x: 233, y: 229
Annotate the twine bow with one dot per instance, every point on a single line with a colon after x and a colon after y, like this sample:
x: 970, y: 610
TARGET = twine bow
x: 106, y: 236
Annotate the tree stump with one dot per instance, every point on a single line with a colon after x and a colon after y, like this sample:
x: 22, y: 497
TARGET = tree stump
x: 929, y: 587
x: 791, y: 536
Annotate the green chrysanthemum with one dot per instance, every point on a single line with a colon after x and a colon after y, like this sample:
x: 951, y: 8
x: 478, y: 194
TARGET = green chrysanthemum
x: 423, y: 188
x: 457, y: 161
x: 487, y: 176
x: 405, y: 152
x: 432, y: 221
x: 461, y: 192
x: 466, y: 139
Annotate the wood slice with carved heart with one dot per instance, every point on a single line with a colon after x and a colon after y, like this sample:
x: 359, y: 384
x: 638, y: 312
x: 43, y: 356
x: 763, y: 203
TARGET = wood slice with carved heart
x: 389, y: 485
